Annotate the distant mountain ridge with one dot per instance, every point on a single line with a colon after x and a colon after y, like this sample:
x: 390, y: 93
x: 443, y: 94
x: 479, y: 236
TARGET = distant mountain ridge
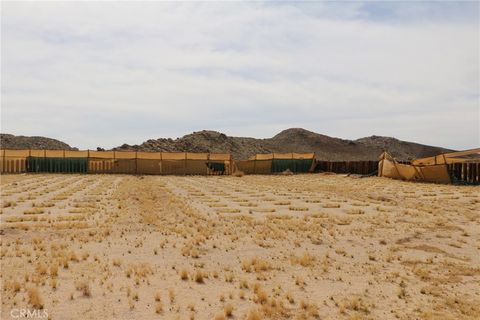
x: 290, y: 140
x: 10, y: 141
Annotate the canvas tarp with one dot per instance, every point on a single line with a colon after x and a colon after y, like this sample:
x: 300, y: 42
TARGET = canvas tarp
x: 246, y: 166
x: 472, y: 155
x: 149, y: 166
x: 389, y: 167
x: 98, y: 165
x: 13, y: 165
x: 289, y: 155
x: 437, y: 173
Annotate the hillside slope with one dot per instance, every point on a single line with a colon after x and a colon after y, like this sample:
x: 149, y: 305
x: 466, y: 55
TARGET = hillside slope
x: 290, y: 140
x: 10, y: 141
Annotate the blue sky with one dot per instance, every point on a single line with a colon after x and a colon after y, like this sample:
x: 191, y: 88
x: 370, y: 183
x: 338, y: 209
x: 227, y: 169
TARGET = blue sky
x: 104, y: 73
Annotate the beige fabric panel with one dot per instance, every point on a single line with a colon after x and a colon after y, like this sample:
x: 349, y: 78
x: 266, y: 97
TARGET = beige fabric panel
x: 264, y: 156
x: 389, y: 170
x: 198, y: 167
x: 246, y: 166
x: 220, y: 156
x: 197, y: 156
x: 13, y: 165
x: 282, y: 155
x: 263, y: 166
x: 149, y: 166
x: 461, y: 160
x: 425, y: 161
x: 76, y: 154
x: 451, y: 157
x: 173, y: 167
x: 101, y: 154
x: 16, y: 153
x: 173, y: 155
x: 148, y: 155
x: 438, y: 174
x: 100, y: 166
x: 125, y: 155
x: 37, y: 153
x: 408, y: 172
x: 124, y: 166
x: 463, y: 153
x: 310, y: 155
x: 54, y: 153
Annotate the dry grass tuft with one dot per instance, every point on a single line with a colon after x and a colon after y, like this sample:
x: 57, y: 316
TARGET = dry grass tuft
x: 34, y: 298
x: 228, y: 310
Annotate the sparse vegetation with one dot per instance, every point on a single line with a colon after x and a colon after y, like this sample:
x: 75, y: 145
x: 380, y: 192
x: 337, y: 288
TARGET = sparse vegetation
x: 260, y: 247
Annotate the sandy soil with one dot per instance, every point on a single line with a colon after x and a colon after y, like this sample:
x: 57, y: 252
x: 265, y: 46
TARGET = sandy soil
x: 255, y: 247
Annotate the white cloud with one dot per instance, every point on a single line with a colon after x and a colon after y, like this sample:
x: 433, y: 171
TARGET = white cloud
x: 94, y: 73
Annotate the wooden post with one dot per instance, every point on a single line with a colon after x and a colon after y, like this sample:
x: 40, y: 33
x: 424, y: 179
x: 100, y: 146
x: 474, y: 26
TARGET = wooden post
x: 185, y: 165
x: 136, y: 162
x: 161, y: 163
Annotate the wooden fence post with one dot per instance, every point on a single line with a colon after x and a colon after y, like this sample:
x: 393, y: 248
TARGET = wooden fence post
x: 136, y: 162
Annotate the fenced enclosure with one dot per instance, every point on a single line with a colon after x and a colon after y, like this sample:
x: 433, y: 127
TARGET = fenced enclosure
x: 276, y: 163
x: 468, y: 173
x: 353, y: 167
x: 129, y: 162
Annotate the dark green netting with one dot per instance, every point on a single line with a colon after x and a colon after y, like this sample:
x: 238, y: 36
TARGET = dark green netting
x: 294, y: 165
x: 57, y: 165
x: 216, y: 166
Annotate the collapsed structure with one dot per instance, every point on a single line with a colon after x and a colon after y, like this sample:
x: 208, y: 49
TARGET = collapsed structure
x: 452, y: 167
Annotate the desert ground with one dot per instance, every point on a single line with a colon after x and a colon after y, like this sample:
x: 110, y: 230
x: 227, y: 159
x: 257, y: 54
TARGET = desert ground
x: 251, y: 247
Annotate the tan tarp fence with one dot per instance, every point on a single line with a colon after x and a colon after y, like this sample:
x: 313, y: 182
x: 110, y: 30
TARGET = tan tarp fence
x: 149, y: 166
x: 262, y: 163
x: 129, y: 162
x: 472, y: 155
x: 246, y: 166
x: 290, y: 155
x: 389, y: 167
x: 99, y: 165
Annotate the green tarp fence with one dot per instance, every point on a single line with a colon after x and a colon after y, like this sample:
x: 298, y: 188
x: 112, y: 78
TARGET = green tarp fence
x: 216, y: 166
x: 294, y: 165
x: 57, y: 165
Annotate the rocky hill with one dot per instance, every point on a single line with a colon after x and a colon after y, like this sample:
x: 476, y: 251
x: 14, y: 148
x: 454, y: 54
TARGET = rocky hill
x: 290, y: 140
x: 9, y: 141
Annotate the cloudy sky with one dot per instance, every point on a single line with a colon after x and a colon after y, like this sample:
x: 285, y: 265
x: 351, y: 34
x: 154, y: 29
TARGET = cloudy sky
x: 104, y: 73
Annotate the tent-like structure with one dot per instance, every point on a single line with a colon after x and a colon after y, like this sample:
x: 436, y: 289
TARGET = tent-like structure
x: 462, y: 166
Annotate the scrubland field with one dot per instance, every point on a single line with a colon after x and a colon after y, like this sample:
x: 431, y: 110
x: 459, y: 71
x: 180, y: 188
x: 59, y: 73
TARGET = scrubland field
x: 252, y: 247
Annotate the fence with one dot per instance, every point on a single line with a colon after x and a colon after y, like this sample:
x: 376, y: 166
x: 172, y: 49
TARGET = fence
x: 65, y: 161
x: 468, y: 173
x: 354, y: 167
x: 277, y: 162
